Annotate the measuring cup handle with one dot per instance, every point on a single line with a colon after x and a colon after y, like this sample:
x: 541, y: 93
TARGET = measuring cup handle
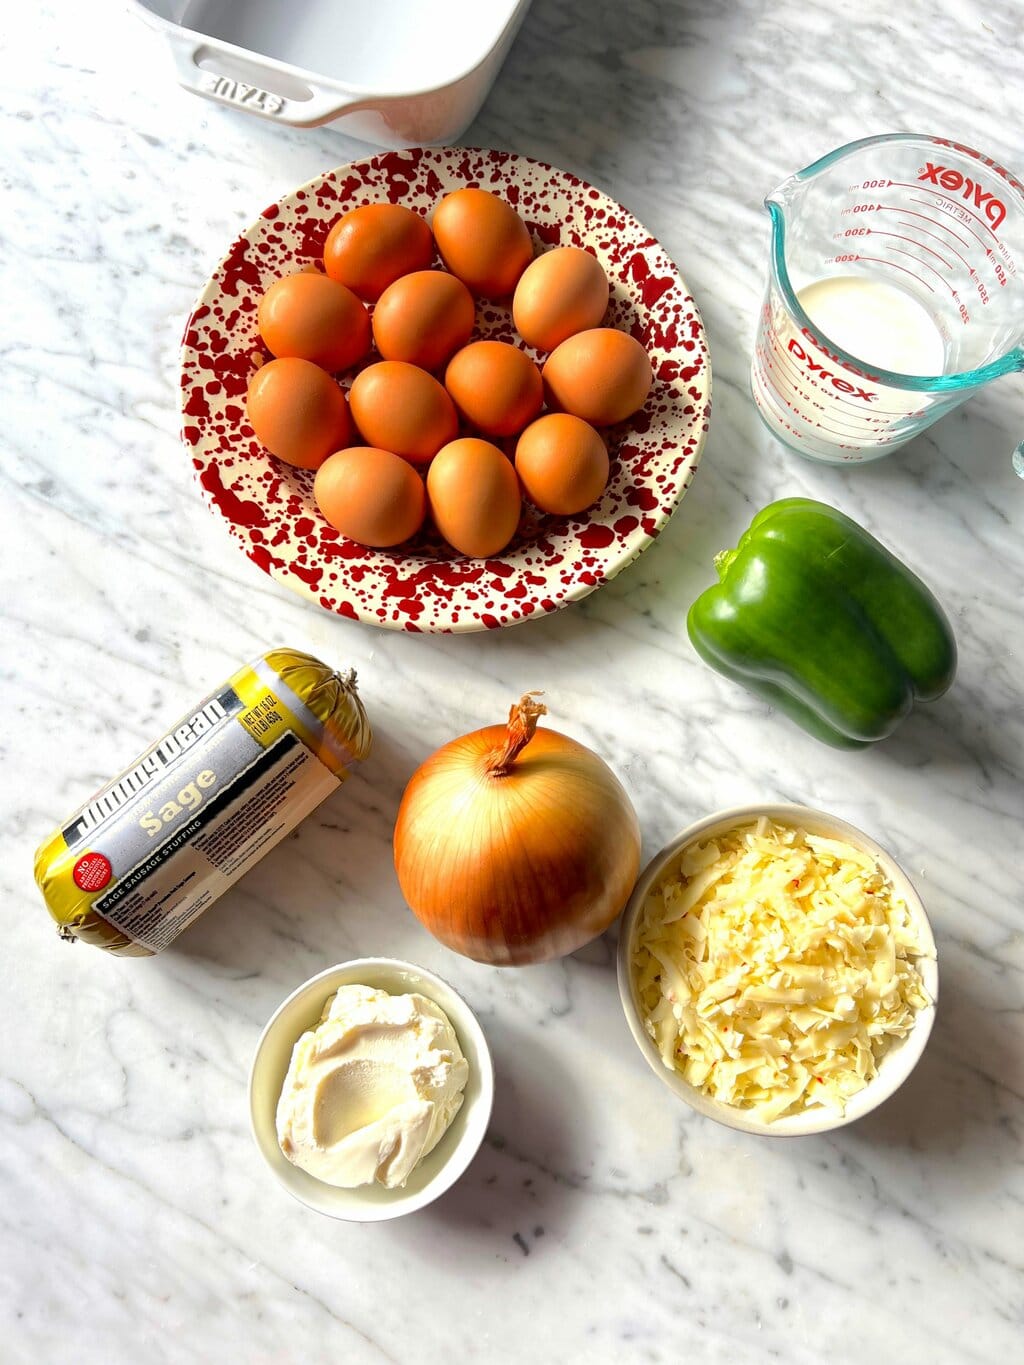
x: 217, y: 71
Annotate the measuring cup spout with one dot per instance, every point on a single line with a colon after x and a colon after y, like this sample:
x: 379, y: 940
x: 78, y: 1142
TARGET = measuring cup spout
x: 782, y: 205
x: 776, y: 205
x: 786, y: 193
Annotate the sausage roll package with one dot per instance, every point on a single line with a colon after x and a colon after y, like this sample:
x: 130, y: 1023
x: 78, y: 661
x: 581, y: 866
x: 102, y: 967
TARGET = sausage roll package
x: 151, y: 850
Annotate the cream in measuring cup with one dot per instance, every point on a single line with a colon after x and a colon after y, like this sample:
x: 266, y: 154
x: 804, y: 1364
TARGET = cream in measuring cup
x: 895, y: 291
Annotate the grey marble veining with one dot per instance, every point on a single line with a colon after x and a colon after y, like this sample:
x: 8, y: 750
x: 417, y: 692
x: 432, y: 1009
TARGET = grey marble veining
x: 601, y: 1221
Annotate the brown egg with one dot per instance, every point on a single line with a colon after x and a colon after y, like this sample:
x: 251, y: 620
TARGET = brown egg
x: 315, y: 318
x: 423, y: 318
x: 483, y: 241
x: 371, y: 496
x: 562, y: 464
x: 371, y: 246
x: 495, y: 386
x: 474, y: 497
x: 563, y: 292
x: 401, y: 408
x: 298, y: 412
x: 602, y: 375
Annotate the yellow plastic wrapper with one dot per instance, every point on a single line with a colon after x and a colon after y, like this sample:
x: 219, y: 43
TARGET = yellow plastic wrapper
x: 151, y: 850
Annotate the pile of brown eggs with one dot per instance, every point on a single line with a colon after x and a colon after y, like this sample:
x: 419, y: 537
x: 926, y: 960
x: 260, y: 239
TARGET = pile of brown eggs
x: 391, y: 452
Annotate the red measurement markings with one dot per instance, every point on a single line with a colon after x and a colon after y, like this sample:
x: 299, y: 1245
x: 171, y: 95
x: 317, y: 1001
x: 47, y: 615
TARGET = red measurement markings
x: 927, y: 267
x: 832, y: 431
x: 947, y: 195
x: 862, y: 432
x: 870, y: 415
x: 911, y: 228
x: 800, y: 383
x: 797, y: 377
x: 877, y: 232
x: 966, y: 226
x: 893, y: 266
x: 934, y: 221
x: 776, y: 353
x: 778, y: 418
x: 864, y: 436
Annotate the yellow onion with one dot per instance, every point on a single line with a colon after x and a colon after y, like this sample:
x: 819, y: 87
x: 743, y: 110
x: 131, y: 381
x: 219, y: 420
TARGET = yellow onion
x: 514, y: 844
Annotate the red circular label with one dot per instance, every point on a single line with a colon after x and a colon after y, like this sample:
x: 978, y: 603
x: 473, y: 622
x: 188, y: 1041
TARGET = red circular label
x: 92, y: 872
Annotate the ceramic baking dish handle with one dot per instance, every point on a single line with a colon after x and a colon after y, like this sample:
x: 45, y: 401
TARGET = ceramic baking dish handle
x: 219, y: 72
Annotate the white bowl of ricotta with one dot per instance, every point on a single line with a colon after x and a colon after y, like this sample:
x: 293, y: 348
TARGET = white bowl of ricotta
x: 720, y: 987
x: 369, y: 1063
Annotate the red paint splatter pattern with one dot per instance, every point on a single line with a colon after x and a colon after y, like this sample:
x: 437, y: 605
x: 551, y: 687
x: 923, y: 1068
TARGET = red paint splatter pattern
x: 426, y: 586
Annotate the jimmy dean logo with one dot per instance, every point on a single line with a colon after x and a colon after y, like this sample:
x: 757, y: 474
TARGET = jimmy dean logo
x: 994, y: 209
x: 837, y: 381
x: 129, y: 785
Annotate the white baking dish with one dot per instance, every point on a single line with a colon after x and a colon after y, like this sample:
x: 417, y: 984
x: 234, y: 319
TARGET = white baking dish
x: 400, y: 73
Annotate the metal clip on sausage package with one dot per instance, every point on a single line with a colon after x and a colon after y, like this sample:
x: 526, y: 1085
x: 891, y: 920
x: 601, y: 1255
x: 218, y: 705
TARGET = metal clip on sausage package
x: 152, y: 850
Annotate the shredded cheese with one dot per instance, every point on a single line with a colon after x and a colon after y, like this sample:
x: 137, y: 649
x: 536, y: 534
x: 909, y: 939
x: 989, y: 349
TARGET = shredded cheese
x: 774, y: 968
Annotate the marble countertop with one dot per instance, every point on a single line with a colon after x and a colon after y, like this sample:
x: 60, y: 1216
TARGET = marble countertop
x: 602, y: 1221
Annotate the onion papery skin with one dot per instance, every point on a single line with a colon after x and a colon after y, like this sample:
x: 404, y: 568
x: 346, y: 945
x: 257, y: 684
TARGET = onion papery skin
x: 520, y: 866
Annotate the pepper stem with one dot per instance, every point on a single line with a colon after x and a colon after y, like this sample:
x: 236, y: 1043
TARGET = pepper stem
x: 522, y: 725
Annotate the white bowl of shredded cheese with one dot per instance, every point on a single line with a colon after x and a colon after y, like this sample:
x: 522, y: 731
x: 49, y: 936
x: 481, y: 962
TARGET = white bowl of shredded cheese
x: 777, y: 970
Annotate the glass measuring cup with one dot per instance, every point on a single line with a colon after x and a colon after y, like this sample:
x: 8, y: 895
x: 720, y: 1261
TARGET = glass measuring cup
x: 903, y: 250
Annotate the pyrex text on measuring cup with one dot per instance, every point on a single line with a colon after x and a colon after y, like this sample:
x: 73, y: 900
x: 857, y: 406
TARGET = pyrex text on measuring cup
x: 895, y: 291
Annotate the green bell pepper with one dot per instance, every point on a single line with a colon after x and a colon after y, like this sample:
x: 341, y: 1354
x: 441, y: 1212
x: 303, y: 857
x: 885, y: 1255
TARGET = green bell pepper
x: 814, y: 615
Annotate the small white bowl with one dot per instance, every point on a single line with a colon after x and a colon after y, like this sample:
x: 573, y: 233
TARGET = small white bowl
x: 443, y: 1166
x: 901, y: 1056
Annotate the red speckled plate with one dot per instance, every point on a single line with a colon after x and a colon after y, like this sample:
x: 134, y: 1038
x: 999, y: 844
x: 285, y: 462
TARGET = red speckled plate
x: 425, y: 586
